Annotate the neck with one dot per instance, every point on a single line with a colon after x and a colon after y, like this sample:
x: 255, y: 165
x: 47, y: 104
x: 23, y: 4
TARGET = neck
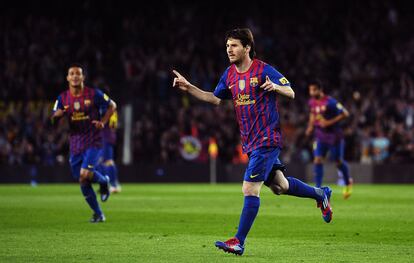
x: 244, y: 65
x: 76, y: 90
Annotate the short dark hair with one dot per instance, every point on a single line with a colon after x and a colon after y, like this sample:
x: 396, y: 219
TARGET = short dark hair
x: 245, y: 36
x: 76, y: 65
x: 318, y: 83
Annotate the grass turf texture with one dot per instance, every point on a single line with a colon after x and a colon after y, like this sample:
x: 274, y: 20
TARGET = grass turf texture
x: 180, y: 222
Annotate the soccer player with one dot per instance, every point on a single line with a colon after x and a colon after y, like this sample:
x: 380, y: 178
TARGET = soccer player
x: 107, y: 163
x: 254, y: 87
x: 324, y: 120
x: 80, y: 105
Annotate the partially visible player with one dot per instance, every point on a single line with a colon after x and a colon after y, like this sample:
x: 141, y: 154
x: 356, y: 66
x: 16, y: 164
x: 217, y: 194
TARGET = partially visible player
x: 254, y: 87
x: 325, y: 116
x: 107, y: 163
x: 81, y: 106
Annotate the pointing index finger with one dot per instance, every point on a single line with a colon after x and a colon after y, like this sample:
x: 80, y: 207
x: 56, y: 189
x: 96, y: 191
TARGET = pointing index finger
x: 177, y: 74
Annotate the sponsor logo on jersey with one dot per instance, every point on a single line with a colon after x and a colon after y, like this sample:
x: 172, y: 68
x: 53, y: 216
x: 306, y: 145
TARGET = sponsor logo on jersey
x: 244, y: 99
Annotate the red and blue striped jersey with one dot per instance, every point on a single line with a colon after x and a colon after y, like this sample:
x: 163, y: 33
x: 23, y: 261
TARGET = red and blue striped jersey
x: 256, y: 109
x: 327, y: 108
x: 81, y: 111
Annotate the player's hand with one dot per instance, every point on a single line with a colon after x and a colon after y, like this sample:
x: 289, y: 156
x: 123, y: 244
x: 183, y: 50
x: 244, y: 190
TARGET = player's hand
x: 268, y: 85
x: 180, y: 81
x: 54, y: 119
x: 98, y: 124
x: 58, y: 113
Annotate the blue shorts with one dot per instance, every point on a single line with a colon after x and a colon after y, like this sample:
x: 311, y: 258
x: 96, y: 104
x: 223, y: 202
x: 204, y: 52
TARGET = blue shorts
x: 336, y: 150
x: 262, y: 162
x: 86, y: 160
x: 107, y: 152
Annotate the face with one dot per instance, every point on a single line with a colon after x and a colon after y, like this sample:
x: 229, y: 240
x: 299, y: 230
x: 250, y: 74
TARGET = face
x: 314, y: 91
x: 75, y: 77
x: 235, y: 51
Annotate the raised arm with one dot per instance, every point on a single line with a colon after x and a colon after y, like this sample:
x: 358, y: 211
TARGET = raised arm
x: 183, y: 84
x: 282, y: 90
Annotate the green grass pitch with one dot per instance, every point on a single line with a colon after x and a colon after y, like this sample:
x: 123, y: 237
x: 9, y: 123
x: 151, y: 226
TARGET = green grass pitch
x: 181, y: 222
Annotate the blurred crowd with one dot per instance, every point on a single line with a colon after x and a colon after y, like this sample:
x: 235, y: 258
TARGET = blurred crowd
x: 362, y: 51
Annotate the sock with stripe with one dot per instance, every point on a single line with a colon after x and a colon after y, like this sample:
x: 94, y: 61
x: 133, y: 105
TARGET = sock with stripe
x: 301, y: 189
x: 318, y: 174
x: 112, y: 172
x: 343, y: 167
x: 249, y: 213
x: 90, y: 198
x: 98, y: 177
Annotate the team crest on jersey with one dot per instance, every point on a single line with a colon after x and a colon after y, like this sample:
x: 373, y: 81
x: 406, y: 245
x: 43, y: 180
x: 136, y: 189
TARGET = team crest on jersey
x: 76, y: 105
x: 242, y: 84
x: 254, y: 82
x: 87, y: 102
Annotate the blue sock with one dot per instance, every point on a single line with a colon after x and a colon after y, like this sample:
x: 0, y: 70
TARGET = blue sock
x: 318, y: 173
x: 300, y: 189
x: 249, y: 212
x: 98, y: 177
x: 113, y: 174
x: 343, y: 167
x: 90, y: 198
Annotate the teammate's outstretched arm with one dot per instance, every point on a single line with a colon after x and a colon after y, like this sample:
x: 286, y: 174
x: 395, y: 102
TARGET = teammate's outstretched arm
x: 282, y: 90
x: 185, y: 85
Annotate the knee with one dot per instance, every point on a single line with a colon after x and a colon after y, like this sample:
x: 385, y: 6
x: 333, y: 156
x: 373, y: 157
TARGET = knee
x: 85, y: 176
x: 317, y: 160
x: 109, y: 163
x: 250, y: 191
x: 339, y: 163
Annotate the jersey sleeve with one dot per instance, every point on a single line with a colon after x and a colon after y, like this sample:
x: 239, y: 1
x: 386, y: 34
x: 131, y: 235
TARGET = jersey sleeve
x: 275, y: 76
x: 58, y: 104
x: 101, y: 100
x: 335, y: 106
x: 221, y: 91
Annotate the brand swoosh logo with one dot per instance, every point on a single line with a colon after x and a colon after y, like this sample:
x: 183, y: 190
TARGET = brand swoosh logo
x: 254, y: 176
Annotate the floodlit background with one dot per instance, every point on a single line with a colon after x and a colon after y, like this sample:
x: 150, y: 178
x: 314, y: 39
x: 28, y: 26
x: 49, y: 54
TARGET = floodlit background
x: 363, y: 51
